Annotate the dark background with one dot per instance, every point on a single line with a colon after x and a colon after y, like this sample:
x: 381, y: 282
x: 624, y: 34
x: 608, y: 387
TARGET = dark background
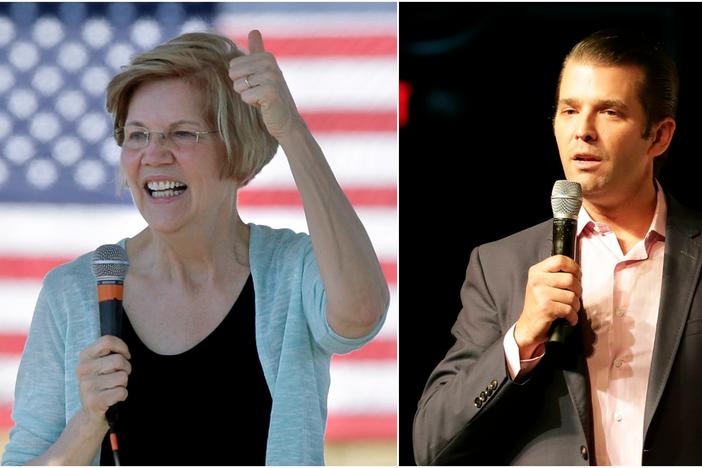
x: 478, y: 157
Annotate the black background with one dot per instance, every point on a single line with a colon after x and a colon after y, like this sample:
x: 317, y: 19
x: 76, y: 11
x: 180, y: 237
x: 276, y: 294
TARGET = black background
x: 477, y: 156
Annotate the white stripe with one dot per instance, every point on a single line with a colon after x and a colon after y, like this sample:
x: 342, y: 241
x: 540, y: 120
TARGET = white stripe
x: 335, y: 84
x: 390, y: 327
x: 8, y: 376
x: 64, y: 230
x: 361, y: 388
x: 308, y: 24
x: 70, y: 230
x: 358, y: 160
x: 17, y: 301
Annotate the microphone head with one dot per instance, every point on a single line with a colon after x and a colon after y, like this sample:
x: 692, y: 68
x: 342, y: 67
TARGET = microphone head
x: 110, y: 263
x: 566, y: 199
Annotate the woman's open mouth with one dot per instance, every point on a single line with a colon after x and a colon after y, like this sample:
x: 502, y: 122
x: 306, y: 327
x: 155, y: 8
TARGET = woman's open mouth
x: 165, y: 188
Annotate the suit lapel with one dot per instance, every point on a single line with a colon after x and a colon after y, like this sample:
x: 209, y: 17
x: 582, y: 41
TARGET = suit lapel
x: 576, y: 377
x: 681, y: 270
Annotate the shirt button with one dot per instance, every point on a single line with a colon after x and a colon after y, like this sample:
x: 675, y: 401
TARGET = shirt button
x: 618, y: 363
x: 583, y: 452
x: 617, y: 417
x: 620, y: 313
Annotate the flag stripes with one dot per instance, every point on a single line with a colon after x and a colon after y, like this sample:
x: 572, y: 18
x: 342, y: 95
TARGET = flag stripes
x: 59, y: 164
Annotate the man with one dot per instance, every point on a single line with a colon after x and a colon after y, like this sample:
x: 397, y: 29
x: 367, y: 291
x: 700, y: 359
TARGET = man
x: 624, y: 387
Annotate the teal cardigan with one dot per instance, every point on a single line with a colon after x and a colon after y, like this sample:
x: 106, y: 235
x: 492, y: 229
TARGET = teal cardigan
x: 293, y: 338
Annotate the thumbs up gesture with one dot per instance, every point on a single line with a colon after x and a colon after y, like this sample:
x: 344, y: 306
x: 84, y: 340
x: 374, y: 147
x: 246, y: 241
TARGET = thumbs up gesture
x: 259, y: 81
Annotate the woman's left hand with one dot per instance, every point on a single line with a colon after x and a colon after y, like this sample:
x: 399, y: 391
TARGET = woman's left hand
x: 259, y: 81
x: 357, y: 293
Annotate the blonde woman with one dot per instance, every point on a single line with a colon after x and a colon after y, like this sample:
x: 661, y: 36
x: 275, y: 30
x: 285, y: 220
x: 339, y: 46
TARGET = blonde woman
x: 229, y: 327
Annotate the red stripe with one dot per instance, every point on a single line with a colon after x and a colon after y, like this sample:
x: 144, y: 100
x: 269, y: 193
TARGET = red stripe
x: 13, y: 343
x: 351, y: 121
x: 342, y: 428
x: 331, y: 46
x: 6, y: 416
x: 28, y: 267
x: 390, y: 271
x: 15, y: 267
x: 363, y: 197
x: 377, y: 349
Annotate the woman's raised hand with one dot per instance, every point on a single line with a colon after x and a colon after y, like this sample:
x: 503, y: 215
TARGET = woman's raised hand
x: 259, y: 81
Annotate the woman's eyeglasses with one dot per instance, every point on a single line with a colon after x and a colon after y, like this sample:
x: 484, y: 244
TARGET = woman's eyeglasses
x: 133, y: 137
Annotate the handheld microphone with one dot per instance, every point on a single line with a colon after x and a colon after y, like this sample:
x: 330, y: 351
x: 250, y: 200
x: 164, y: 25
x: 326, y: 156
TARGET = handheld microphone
x: 566, y: 200
x: 110, y: 267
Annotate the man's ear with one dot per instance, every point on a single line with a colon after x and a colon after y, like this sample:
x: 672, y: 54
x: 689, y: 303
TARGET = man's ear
x: 662, y: 134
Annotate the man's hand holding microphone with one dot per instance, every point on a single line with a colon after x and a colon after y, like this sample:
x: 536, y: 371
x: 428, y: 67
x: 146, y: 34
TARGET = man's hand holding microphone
x: 554, y: 289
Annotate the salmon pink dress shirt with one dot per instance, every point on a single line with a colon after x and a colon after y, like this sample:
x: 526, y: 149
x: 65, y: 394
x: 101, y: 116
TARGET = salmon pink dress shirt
x: 621, y: 296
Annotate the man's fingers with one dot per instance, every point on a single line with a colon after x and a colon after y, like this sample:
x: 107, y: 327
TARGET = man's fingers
x: 566, y: 298
x: 564, y: 281
x: 561, y: 263
x: 256, y: 42
x: 572, y: 318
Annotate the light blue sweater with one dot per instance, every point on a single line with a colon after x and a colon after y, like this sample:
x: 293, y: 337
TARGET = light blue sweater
x: 293, y: 338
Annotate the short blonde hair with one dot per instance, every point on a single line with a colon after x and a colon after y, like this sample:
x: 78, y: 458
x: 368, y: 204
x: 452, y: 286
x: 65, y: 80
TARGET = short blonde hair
x: 201, y: 59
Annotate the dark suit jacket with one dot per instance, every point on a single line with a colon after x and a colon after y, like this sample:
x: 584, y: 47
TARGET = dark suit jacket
x: 547, y: 419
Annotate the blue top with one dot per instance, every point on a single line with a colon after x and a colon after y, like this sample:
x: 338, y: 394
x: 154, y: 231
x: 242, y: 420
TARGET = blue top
x: 294, y: 341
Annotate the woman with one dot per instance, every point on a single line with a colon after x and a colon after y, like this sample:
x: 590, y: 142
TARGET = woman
x: 202, y: 381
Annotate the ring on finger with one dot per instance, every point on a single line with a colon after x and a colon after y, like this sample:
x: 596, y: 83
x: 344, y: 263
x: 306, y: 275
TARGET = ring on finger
x: 246, y: 82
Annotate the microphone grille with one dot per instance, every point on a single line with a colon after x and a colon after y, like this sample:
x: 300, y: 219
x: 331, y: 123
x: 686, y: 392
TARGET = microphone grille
x: 566, y: 199
x: 110, y: 262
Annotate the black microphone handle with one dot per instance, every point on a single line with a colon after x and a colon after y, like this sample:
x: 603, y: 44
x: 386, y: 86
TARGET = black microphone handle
x: 111, y: 324
x: 564, y: 237
x: 111, y: 317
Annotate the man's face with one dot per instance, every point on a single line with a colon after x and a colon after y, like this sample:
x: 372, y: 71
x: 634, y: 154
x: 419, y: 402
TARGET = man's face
x: 598, y: 126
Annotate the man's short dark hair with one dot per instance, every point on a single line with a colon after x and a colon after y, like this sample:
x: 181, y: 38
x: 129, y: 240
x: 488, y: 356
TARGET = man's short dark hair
x: 659, y: 91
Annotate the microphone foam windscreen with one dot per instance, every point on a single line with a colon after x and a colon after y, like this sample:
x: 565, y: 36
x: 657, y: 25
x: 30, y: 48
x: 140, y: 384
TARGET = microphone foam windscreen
x: 110, y: 262
x: 566, y: 199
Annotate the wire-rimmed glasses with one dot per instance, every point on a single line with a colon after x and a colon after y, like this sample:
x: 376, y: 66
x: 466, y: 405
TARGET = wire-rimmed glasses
x: 135, y: 137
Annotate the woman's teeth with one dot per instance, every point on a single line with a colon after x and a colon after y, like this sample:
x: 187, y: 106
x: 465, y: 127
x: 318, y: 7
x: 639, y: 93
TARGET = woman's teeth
x: 166, y: 188
x: 166, y: 193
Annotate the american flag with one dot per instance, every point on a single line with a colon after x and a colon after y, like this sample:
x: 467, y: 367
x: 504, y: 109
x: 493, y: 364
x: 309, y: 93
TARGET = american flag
x: 58, y: 161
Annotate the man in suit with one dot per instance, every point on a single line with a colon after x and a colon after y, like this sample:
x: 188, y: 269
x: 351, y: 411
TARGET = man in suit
x: 625, y: 386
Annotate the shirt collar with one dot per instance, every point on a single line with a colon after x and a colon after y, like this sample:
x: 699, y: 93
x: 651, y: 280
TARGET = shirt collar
x: 657, y: 223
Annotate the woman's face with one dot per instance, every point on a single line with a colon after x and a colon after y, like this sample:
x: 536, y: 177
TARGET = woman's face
x: 175, y: 182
